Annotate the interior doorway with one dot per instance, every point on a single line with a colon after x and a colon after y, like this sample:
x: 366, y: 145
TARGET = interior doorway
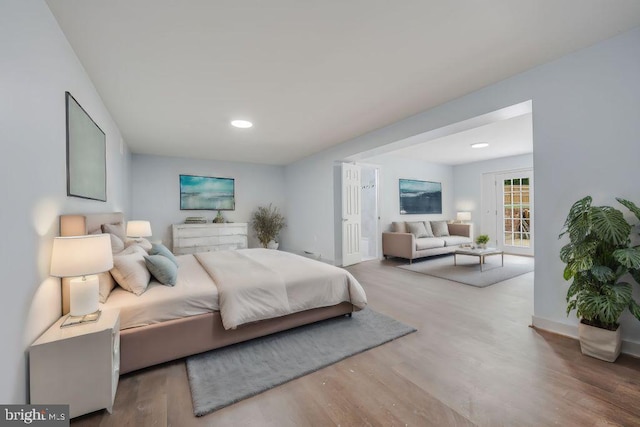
x: 369, y: 240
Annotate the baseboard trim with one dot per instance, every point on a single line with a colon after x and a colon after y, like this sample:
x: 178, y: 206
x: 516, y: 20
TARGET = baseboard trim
x: 631, y: 348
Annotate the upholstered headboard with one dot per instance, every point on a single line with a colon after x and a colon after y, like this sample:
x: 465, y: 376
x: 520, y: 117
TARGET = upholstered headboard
x: 79, y: 225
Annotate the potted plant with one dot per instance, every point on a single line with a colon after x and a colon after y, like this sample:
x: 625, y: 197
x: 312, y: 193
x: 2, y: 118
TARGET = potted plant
x: 267, y: 223
x: 482, y: 240
x: 598, y: 257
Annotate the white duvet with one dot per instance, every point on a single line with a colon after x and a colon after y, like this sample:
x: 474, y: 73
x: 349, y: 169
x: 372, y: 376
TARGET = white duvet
x: 250, y: 285
x: 258, y: 284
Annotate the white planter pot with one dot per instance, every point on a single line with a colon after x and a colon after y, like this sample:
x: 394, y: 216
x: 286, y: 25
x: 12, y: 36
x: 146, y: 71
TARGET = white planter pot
x: 273, y: 245
x: 600, y: 343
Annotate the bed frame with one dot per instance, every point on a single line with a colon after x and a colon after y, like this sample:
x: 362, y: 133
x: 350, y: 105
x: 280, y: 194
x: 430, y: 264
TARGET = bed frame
x: 150, y: 345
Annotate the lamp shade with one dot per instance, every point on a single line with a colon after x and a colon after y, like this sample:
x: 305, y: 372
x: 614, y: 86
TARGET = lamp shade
x: 81, y: 255
x: 464, y: 216
x: 138, y: 229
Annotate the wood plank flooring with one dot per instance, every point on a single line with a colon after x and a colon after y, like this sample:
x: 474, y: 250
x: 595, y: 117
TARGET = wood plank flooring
x: 473, y: 362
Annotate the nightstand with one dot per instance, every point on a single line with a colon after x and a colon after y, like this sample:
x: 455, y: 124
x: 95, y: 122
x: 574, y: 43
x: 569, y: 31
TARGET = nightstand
x: 77, y: 365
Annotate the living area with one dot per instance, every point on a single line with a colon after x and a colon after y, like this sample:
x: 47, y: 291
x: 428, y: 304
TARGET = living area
x: 457, y: 203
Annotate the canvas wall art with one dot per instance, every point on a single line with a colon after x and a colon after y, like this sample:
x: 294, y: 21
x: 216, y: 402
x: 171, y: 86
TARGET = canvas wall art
x: 86, y: 154
x: 420, y: 197
x: 207, y: 193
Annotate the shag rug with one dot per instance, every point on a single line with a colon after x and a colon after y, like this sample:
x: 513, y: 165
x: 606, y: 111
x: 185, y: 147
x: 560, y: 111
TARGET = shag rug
x: 227, y: 375
x: 468, y: 269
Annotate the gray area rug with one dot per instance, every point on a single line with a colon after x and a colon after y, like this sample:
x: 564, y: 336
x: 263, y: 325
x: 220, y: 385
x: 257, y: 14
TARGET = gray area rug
x: 227, y: 375
x: 468, y: 270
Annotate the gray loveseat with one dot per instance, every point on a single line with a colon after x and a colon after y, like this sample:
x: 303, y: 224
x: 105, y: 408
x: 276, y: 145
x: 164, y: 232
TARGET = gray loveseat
x: 404, y: 242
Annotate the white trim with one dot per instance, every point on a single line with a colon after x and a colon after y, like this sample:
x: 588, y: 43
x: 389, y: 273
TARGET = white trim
x: 628, y: 347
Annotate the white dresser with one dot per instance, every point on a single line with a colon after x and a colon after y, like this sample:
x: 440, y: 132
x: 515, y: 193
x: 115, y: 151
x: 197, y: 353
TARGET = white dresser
x: 191, y: 238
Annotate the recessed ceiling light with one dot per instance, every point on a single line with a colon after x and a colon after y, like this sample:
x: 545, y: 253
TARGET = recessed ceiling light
x: 480, y: 145
x: 243, y: 124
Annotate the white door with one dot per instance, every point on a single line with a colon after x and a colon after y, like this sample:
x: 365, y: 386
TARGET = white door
x: 514, y: 192
x: 351, y: 211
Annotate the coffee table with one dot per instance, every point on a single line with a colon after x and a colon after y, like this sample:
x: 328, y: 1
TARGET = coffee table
x: 480, y: 253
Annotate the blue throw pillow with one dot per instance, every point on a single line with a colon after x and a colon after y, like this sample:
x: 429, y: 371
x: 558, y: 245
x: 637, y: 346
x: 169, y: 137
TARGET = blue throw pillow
x: 161, y: 267
x: 160, y: 249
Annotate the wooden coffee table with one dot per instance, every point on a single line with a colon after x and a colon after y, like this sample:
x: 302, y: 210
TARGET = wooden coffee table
x: 480, y: 253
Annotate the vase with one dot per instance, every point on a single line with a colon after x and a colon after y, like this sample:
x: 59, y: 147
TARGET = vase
x: 273, y: 245
x: 600, y: 343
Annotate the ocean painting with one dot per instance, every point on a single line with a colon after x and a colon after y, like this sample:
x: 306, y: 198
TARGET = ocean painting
x: 420, y: 197
x: 207, y: 193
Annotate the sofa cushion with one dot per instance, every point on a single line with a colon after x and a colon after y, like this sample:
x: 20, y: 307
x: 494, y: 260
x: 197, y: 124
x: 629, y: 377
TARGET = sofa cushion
x: 399, y: 227
x: 440, y: 228
x: 429, y: 243
x: 417, y: 229
x: 456, y: 240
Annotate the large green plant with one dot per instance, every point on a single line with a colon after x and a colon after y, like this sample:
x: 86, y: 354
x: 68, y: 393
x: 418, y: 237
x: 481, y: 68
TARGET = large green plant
x: 267, y: 222
x: 597, y: 257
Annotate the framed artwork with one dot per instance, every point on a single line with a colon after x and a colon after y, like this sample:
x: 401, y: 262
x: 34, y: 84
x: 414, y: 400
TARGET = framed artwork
x: 207, y: 193
x: 86, y: 154
x: 420, y: 197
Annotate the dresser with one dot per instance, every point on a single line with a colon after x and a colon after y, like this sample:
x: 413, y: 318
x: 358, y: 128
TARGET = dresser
x: 192, y: 238
x: 77, y: 365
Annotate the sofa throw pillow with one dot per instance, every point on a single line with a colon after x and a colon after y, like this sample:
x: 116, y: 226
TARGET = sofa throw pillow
x: 399, y: 227
x: 162, y: 268
x: 417, y: 229
x: 440, y: 228
x: 160, y: 249
x: 130, y: 271
x: 427, y: 226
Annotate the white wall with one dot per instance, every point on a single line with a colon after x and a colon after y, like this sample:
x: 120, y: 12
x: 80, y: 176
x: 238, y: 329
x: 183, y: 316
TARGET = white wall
x: 585, y: 133
x: 467, y: 187
x: 156, y: 191
x: 37, y: 66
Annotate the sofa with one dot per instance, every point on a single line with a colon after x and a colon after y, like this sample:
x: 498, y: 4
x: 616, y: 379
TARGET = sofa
x: 418, y: 239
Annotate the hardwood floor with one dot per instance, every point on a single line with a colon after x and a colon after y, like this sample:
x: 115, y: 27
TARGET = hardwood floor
x: 473, y: 361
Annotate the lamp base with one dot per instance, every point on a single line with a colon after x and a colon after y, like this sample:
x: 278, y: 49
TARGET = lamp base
x: 84, y: 295
x: 79, y: 320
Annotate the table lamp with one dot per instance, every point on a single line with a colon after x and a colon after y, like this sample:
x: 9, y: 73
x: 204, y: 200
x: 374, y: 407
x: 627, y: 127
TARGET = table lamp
x: 137, y: 229
x: 463, y: 217
x: 82, y: 257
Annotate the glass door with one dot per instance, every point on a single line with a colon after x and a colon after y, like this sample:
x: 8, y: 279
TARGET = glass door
x: 515, y: 219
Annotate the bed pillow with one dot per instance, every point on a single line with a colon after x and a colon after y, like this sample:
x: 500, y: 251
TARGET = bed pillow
x: 130, y: 271
x: 105, y: 285
x: 160, y: 249
x: 440, y: 228
x: 117, y: 229
x: 417, y: 229
x: 162, y: 268
x: 139, y: 241
x: 117, y: 244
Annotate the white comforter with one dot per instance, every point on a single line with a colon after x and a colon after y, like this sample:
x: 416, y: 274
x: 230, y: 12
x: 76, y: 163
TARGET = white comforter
x: 257, y: 284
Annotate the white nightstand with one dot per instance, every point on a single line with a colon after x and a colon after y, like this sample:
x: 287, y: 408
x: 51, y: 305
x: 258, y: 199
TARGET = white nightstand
x: 77, y: 365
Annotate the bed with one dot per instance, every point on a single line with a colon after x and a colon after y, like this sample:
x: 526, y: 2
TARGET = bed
x: 168, y: 323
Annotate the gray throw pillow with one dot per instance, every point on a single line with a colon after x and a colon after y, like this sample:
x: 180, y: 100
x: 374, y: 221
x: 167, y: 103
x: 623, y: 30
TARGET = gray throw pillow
x: 427, y: 226
x: 162, y: 268
x: 440, y: 228
x: 160, y: 249
x: 417, y: 229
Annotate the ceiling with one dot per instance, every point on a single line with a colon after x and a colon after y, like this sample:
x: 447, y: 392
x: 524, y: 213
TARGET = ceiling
x: 509, y: 137
x: 308, y: 74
